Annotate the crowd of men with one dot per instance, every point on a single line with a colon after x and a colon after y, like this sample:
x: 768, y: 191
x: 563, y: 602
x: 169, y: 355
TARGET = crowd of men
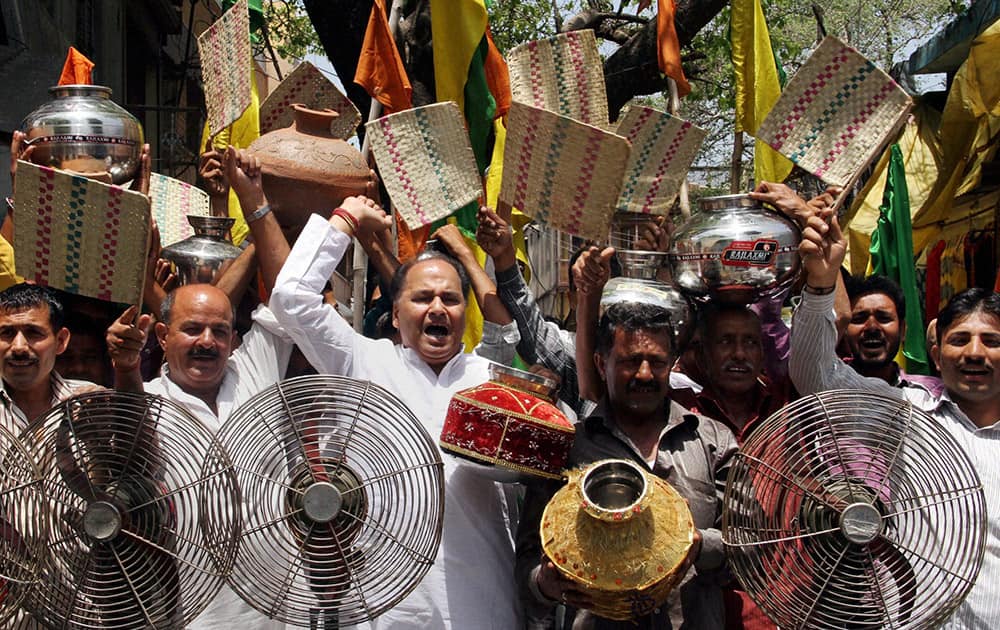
x: 635, y: 393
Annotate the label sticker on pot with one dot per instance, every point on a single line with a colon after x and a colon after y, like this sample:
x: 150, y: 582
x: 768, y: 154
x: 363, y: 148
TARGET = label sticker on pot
x: 759, y: 253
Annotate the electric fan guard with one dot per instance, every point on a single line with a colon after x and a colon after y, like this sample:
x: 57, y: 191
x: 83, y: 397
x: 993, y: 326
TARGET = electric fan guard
x: 23, y: 527
x: 143, y: 513
x: 851, y: 509
x: 347, y: 495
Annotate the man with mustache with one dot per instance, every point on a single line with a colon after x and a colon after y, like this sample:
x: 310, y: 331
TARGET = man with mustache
x: 32, y: 335
x: 875, y: 328
x: 967, y: 353
x: 637, y: 420
x: 205, y: 372
x: 471, y: 583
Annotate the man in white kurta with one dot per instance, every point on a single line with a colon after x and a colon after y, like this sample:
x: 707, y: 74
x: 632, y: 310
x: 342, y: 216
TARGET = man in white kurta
x: 210, y: 380
x: 471, y: 584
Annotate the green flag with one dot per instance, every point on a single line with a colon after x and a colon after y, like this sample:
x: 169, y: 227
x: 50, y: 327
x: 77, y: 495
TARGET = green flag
x: 892, y: 256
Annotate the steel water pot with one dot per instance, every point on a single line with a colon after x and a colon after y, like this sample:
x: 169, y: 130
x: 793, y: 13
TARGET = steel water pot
x: 735, y: 250
x: 82, y: 130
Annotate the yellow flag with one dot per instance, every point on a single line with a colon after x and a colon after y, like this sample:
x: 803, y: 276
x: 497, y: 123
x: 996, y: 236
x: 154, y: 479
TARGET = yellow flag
x: 458, y: 27
x: 757, y: 84
x: 240, y: 134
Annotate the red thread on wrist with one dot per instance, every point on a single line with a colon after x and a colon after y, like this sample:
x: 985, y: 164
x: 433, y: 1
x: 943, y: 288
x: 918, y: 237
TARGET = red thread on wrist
x: 348, y: 217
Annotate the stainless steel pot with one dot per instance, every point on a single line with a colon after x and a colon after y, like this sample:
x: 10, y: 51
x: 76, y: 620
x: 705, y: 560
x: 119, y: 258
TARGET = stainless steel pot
x: 201, y: 257
x: 81, y: 129
x: 734, y: 250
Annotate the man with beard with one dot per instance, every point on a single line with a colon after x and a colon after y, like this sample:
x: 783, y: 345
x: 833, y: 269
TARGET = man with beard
x: 967, y: 353
x: 874, y: 331
x: 636, y: 420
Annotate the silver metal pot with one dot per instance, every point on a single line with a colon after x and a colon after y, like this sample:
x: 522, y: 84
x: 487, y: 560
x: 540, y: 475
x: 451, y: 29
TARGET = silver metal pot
x: 81, y: 129
x: 201, y: 257
x: 734, y: 250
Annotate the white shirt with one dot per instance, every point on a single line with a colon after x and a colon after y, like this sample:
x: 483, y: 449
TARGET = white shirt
x: 814, y: 367
x: 471, y: 583
x: 258, y: 363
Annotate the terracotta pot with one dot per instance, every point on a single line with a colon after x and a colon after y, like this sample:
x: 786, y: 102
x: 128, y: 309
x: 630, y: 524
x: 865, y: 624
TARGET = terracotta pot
x: 306, y: 169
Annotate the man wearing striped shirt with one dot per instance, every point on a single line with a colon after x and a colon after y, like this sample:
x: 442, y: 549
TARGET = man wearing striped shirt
x: 968, y: 356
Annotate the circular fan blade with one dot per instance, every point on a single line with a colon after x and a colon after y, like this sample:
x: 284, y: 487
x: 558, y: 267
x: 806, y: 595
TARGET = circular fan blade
x: 850, y: 509
x: 143, y: 513
x: 23, y: 527
x: 348, y: 500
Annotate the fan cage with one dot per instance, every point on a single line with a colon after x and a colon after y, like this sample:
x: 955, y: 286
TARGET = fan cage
x: 23, y: 528
x: 850, y: 509
x: 142, y: 508
x: 321, y: 431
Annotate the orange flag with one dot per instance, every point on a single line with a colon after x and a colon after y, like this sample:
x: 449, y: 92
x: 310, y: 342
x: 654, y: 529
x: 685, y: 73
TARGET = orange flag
x: 668, y: 48
x: 497, y: 76
x: 76, y: 70
x: 380, y: 68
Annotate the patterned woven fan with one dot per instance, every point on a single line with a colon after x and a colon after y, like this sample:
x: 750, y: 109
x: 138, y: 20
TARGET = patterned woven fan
x: 224, y: 49
x: 563, y: 74
x: 307, y: 85
x: 426, y: 161
x: 663, y: 148
x: 562, y: 172
x: 836, y: 114
x: 172, y: 200
x: 80, y: 235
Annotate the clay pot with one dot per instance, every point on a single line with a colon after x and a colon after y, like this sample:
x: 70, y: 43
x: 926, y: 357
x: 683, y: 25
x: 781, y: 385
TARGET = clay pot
x: 306, y: 169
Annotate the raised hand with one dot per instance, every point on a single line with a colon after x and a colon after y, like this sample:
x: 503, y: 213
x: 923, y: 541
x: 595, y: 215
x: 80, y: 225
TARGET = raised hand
x: 126, y: 338
x: 822, y: 250
x: 451, y: 237
x: 140, y: 183
x: 494, y: 234
x: 655, y: 235
x: 592, y: 270
x: 368, y: 214
x: 211, y: 171
x: 242, y: 170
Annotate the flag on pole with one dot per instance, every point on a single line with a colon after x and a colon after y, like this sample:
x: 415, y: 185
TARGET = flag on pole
x: 757, y: 84
x: 380, y: 68
x: 668, y: 48
x: 892, y: 256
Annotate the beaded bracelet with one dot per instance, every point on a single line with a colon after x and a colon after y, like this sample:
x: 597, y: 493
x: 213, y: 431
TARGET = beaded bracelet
x: 348, y: 217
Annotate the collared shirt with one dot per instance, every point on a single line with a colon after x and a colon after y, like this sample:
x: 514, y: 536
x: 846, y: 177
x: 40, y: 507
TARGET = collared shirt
x: 814, y: 367
x: 258, y: 363
x: 542, y: 341
x: 694, y: 455
x: 769, y: 400
x: 14, y: 419
x: 471, y: 583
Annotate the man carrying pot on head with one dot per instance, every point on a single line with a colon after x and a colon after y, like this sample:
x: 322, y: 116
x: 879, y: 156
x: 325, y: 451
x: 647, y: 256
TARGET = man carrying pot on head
x: 967, y: 353
x: 636, y: 420
x: 471, y: 583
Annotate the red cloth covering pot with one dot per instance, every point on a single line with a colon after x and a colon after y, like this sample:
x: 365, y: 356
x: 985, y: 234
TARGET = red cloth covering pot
x: 501, y: 426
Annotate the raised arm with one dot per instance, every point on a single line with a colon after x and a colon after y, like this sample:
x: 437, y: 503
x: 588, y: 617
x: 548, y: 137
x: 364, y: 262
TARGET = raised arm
x: 483, y: 287
x: 242, y: 170
x: 126, y: 338
x: 590, y: 273
x: 324, y: 337
x: 541, y: 341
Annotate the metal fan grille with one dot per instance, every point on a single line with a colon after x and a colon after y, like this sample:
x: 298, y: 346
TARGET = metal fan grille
x: 142, y: 512
x: 23, y: 527
x: 849, y: 509
x: 347, y: 499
